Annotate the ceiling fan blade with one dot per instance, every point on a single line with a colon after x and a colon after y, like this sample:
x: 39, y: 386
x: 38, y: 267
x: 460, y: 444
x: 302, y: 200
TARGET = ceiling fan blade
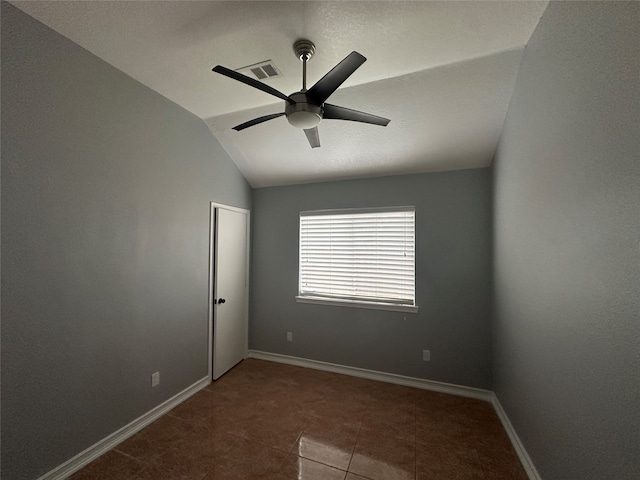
x: 332, y: 80
x: 256, y: 121
x: 251, y: 82
x: 334, y: 112
x: 312, y: 136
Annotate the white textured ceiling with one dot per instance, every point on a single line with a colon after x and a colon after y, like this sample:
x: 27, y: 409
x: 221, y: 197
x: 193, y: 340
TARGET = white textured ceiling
x: 443, y: 72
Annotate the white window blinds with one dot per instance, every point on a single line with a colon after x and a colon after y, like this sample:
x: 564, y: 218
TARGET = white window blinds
x: 365, y: 255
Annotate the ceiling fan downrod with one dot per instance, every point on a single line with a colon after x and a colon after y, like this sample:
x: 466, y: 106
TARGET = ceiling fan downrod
x: 304, y: 50
x: 301, y: 113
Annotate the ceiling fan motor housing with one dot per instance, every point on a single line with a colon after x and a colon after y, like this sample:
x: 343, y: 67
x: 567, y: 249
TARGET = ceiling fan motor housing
x: 302, y: 113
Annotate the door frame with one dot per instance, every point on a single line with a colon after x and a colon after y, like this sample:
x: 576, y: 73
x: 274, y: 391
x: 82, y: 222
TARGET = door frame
x: 212, y: 280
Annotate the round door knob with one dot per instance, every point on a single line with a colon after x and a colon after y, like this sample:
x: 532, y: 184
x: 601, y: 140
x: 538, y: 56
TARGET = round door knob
x: 221, y: 300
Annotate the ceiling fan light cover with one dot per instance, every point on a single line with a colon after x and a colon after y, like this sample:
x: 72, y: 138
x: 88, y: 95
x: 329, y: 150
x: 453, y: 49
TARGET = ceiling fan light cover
x: 304, y: 119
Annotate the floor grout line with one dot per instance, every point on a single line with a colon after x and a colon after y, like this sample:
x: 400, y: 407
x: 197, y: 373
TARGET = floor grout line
x: 139, y: 460
x: 353, y: 450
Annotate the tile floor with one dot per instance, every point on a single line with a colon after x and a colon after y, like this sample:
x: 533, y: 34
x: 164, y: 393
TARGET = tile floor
x: 264, y: 420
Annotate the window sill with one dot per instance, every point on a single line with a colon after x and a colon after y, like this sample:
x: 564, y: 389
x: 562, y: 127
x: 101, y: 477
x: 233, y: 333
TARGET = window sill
x: 358, y: 304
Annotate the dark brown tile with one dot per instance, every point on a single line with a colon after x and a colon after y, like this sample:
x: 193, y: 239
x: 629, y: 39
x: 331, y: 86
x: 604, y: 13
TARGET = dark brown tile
x: 269, y: 425
x: 195, y: 455
x: 264, y: 420
x: 293, y: 394
x: 391, y: 394
x: 353, y: 476
x: 153, y: 440
x: 328, y: 441
x: 114, y: 465
x: 379, y: 457
x: 203, y: 406
x: 339, y: 406
x: 502, y: 464
x: 248, y: 460
x: 440, y: 463
x: 391, y: 420
x: 297, y: 468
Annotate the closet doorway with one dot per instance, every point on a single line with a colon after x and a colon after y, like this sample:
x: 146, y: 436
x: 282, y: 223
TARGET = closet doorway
x: 229, y: 288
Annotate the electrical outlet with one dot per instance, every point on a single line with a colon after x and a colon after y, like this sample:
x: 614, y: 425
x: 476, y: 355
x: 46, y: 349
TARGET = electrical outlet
x: 155, y: 379
x: 289, y: 337
x: 426, y: 355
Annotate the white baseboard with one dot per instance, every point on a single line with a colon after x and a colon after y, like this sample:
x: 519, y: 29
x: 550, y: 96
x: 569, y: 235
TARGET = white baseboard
x: 103, y: 446
x: 526, y: 461
x: 450, y: 388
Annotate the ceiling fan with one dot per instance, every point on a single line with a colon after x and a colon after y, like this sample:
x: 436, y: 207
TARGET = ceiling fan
x: 306, y: 108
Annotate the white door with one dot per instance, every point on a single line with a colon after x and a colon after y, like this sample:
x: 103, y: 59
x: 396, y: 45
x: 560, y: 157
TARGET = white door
x: 230, y: 293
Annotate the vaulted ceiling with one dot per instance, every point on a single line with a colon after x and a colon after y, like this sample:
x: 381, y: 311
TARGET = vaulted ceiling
x: 443, y: 72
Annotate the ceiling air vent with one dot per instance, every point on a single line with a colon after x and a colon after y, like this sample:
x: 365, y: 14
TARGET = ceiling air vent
x: 261, y: 71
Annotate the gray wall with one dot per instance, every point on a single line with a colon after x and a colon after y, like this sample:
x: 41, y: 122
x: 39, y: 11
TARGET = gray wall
x: 453, y: 250
x: 105, y: 222
x: 567, y: 178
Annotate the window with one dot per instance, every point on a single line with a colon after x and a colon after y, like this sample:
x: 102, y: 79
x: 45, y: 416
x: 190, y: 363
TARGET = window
x: 363, y: 258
